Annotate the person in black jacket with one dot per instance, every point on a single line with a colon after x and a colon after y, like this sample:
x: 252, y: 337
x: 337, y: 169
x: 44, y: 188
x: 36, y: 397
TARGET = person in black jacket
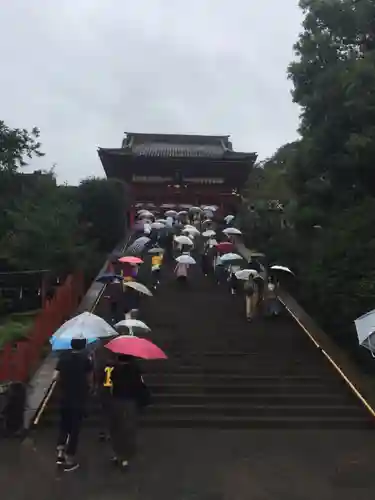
x: 123, y: 379
x: 74, y: 375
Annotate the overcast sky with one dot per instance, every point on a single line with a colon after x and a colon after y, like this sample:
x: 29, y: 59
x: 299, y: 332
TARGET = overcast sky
x: 85, y: 71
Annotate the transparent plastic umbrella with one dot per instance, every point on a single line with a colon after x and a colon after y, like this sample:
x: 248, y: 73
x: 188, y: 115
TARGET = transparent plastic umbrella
x: 281, y: 268
x: 87, y: 325
x: 138, y: 287
x: 232, y: 230
x: 209, y: 233
x: 229, y: 257
x: 244, y: 274
x: 185, y: 259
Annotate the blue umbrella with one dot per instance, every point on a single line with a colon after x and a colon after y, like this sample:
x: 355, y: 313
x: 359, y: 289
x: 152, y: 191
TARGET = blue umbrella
x: 64, y: 343
x: 108, y: 278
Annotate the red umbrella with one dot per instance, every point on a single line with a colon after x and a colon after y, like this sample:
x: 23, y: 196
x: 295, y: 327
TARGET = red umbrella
x: 135, y: 346
x: 131, y: 260
x: 225, y: 247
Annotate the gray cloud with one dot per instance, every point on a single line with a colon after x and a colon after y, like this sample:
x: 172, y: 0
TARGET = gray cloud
x: 85, y: 71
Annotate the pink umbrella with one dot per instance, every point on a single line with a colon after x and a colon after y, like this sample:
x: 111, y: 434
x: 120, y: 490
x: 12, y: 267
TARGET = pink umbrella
x: 131, y: 260
x: 135, y: 346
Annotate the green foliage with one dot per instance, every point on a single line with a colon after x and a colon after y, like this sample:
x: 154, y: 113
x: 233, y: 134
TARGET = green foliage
x: 16, y: 145
x: 329, y: 205
x: 103, y: 205
x: 46, y: 226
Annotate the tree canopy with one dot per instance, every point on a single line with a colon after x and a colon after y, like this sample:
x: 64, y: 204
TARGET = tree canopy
x: 47, y: 226
x: 328, y: 187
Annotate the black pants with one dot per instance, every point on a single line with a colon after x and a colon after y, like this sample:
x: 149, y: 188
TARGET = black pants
x: 123, y: 418
x: 70, y: 427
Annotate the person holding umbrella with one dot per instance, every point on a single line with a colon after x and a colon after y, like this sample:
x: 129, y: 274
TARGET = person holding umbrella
x: 73, y: 372
x: 128, y: 392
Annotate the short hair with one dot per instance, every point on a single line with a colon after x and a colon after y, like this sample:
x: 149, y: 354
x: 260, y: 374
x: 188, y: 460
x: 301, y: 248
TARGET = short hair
x: 78, y: 344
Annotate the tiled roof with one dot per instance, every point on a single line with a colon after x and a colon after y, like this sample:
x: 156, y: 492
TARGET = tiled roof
x: 175, y: 145
x: 178, y: 150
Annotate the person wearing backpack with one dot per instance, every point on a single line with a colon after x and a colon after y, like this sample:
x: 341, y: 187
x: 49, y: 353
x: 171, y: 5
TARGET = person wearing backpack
x: 251, y: 298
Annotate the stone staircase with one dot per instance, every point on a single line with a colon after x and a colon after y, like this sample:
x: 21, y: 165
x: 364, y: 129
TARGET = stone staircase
x: 226, y: 373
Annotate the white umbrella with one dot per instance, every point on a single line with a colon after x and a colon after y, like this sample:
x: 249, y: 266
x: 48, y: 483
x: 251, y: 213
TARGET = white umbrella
x: 209, y: 233
x: 195, y: 209
x: 146, y: 214
x: 229, y: 218
x: 210, y: 208
x: 183, y: 240
x: 281, y: 268
x: 191, y: 230
x: 228, y: 257
x: 138, y: 287
x: 182, y: 212
x: 244, y: 274
x: 185, y: 259
x: 170, y: 213
x: 365, y: 326
x: 157, y: 225
x: 133, y: 323
x: 162, y: 221
x: 231, y: 230
x: 212, y: 242
x: 87, y: 325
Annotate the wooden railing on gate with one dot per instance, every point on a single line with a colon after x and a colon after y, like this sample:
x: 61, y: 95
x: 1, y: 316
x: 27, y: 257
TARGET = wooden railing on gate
x: 19, y: 360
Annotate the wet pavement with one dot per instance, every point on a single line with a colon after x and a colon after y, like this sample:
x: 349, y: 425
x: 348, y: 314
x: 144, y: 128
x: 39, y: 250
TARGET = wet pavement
x: 197, y: 464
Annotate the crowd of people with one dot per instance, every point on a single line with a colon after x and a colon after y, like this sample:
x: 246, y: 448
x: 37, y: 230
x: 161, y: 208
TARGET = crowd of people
x: 186, y: 238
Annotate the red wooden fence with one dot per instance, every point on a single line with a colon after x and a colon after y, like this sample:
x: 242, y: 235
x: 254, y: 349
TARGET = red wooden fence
x: 18, y: 361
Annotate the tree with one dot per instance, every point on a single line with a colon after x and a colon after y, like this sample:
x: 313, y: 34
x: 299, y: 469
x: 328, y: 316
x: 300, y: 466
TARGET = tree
x: 17, y: 145
x: 44, y: 231
x: 103, y: 204
x: 334, y: 81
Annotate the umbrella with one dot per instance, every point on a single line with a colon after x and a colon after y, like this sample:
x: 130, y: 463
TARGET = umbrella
x: 209, y: 233
x: 244, y: 274
x: 228, y: 257
x: 87, y: 325
x: 131, y: 260
x: 365, y: 326
x: 157, y: 225
x: 182, y: 212
x: 195, y: 209
x: 156, y: 250
x: 185, y: 259
x: 64, y: 343
x: 135, y: 346
x: 232, y: 230
x: 170, y: 213
x: 183, y: 240
x: 281, y: 268
x: 210, y: 208
x: 162, y: 221
x: 108, y: 278
x: 138, y: 287
x: 130, y: 325
x: 225, y: 246
x: 191, y: 230
x: 229, y: 218
x: 146, y: 215
x: 138, y: 245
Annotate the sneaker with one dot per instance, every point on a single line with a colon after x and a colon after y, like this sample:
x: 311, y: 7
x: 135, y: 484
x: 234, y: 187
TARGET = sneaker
x: 60, y: 459
x: 70, y: 466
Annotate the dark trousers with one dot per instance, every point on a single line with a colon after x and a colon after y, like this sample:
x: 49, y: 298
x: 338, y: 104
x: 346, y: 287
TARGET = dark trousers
x: 70, y: 427
x: 123, y: 419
